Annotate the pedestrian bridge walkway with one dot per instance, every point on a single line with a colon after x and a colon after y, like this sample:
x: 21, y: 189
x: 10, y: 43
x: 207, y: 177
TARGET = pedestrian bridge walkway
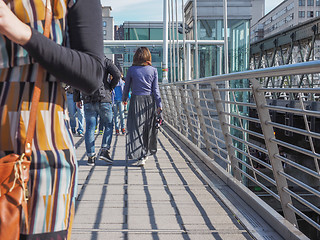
x: 175, y: 196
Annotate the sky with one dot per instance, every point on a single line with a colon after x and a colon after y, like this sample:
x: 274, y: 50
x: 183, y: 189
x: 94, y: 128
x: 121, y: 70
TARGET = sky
x: 150, y: 10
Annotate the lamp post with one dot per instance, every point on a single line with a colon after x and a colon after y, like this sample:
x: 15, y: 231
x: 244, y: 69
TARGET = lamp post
x: 165, y: 42
x: 184, y: 75
x: 195, y: 26
x: 226, y: 62
x: 225, y: 23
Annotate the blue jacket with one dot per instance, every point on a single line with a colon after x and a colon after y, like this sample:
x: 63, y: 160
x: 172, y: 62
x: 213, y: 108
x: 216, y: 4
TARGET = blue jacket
x: 118, y: 90
x: 142, y: 80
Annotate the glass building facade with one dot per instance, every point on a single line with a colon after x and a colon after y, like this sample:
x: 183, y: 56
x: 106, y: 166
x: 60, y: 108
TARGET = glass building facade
x: 210, y: 27
x: 136, y: 33
x: 211, y: 58
x: 145, y: 31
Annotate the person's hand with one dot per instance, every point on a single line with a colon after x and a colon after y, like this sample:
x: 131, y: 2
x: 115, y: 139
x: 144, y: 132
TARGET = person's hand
x: 124, y: 103
x: 159, y: 110
x: 12, y: 27
x: 79, y: 104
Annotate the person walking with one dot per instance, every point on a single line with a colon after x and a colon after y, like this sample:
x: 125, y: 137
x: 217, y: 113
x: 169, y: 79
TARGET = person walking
x: 145, y: 104
x: 54, y: 170
x: 118, y: 107
x: 100, y: 104
x: 76, y: 114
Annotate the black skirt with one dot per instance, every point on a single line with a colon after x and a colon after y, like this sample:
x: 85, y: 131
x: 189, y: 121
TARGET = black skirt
x: 141, y: 138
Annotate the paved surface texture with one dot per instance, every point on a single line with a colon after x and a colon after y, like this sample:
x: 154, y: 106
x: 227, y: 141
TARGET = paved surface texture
x: 166, y: 199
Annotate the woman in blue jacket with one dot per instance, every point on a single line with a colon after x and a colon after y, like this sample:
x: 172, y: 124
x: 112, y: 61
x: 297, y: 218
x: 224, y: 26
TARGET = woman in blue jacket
x: 145, y: 102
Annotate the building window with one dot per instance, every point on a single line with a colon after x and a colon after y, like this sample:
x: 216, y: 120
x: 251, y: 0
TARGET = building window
x: 317, y: 13
x: 302, y: 2
x: 291, y: 6
x: 317, y: 2
x: 104, y: 32
x: 310, y: 14
x: 269, y: 21
x: 104, y: 23
x: 301, y: 14
x: 310, y: 2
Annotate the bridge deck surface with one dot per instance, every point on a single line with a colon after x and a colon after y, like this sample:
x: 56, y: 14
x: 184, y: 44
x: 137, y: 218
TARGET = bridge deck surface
x: 167, y: 199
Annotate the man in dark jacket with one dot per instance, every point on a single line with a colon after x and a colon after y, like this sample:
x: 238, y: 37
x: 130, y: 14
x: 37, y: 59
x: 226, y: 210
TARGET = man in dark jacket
x: 100, y: 104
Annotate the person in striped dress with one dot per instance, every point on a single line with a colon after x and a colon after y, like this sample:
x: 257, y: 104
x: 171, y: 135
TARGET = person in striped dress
x: 23, y: 48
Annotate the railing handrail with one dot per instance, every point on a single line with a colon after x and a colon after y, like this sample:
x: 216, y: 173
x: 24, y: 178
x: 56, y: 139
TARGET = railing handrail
x: 283, y: 70
x: 125, y: 43
x: 264, y: 136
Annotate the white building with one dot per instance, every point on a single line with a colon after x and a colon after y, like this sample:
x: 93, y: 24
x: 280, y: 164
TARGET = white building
x: 287, y: 14
x: 107, y: 26
x: 107, y: 23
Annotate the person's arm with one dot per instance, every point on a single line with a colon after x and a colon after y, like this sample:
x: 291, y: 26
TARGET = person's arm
x: 156, y: 91
x: 76, y: 95
x: 114, y: 71
x: 82, y: 66
x: 122, y: 85
x: 126, y: 89
x: 80, y: 70
x: 77, y: 98
x: 20, y: 33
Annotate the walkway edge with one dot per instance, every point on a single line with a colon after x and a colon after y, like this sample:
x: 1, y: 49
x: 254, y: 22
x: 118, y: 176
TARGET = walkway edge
x: 272, y: 218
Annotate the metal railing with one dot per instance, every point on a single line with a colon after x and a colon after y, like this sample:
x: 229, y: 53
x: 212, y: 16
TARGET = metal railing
x: 269, y: 143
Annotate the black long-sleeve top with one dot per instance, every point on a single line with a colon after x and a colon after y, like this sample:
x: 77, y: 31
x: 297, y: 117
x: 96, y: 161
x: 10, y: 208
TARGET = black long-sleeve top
x: 81, y: 65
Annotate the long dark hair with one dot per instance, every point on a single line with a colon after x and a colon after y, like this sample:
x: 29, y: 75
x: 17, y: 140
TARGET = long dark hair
x: 142, y: 57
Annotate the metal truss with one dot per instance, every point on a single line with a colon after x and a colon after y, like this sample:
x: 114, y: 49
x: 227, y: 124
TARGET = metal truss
x: 298, y: 44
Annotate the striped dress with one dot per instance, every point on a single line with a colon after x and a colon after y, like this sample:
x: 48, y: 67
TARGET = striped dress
x: 53, y: 173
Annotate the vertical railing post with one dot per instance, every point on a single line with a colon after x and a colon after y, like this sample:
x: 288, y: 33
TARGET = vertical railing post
x: 188, y: 66
x: 272, y: 147
x: 168, y: 105
x: 185, y: 107
x: 201, y: 120
x: 225, y: 131
x: 177, y: 107
x: 173, y: 109
x: 164, y: 103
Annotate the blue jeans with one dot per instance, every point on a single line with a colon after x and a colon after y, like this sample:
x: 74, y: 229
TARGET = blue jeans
x: 75, y: 113
x: 91, y: 113
x: 100, y: 123
x: 118, y: 112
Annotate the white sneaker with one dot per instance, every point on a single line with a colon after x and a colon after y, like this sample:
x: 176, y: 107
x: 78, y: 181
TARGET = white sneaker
x: 141, y: 162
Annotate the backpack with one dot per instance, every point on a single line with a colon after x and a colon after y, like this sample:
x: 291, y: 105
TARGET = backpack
x: 103, y: 94
x: 97, y: 96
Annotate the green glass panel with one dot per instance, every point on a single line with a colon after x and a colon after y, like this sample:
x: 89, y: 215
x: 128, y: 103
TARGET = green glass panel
x: 156, y: 34
x: 139, y: 34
